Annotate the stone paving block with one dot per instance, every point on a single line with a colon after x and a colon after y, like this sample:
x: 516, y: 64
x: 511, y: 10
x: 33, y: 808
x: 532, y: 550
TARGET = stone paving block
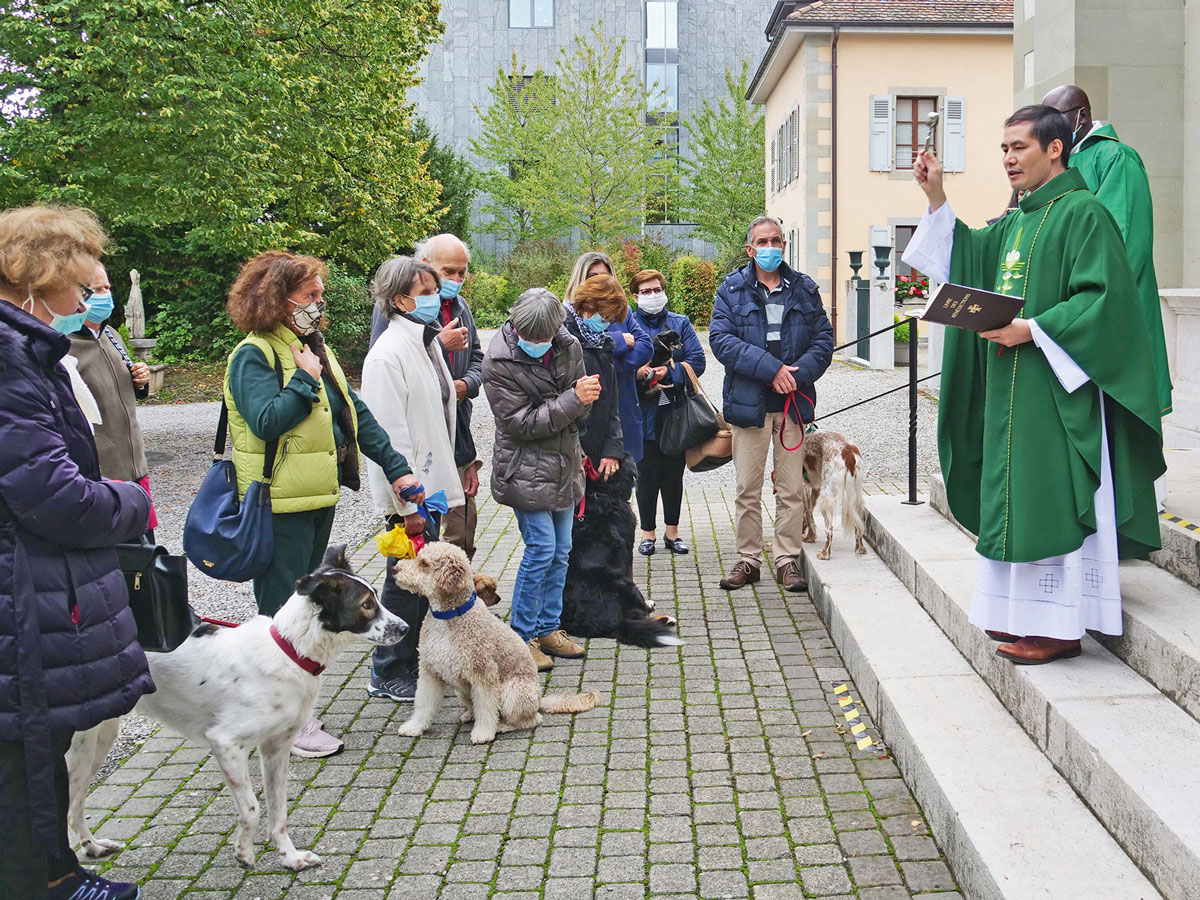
x: 927, y: 876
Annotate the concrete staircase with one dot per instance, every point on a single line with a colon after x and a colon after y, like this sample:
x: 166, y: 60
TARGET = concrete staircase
x: 1074, y: 780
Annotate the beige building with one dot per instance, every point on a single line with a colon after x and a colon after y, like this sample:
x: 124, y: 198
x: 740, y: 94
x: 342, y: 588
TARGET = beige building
x: 1139, y: 62
x: 848, y: 86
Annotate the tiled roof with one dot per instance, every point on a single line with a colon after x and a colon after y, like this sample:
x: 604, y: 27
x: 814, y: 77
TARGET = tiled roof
x: 932, y: 12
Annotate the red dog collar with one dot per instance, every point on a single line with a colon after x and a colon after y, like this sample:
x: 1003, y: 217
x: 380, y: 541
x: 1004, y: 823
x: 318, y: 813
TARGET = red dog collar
x: 311, y: 666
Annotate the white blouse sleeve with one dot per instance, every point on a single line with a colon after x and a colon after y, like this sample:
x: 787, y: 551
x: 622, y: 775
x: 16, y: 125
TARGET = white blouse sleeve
x: 929, y: 248
x: 1069, y: 374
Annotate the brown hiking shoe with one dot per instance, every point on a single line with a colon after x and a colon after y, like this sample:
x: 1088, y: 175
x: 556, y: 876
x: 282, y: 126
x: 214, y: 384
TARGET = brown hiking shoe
x: 789, y: 576
x: 540, y: 659
x: 556, y: 643
x: 742, y: 574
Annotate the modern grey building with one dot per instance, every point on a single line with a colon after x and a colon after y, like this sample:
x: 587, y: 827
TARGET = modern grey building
x: 683, y: 44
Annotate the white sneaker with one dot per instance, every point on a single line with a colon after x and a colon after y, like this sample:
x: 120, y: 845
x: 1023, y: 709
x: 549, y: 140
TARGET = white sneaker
x: 314, y: 743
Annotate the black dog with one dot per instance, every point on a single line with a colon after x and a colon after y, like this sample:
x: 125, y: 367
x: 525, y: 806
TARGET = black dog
x: 600, y: 598
x: 666, y: 342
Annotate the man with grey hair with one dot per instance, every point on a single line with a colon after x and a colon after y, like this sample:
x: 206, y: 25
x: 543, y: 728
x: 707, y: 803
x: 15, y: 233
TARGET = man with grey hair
x: 464, y: 355
x: 770, y: 332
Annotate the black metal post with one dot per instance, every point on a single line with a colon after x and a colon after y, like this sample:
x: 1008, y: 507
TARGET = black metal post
x: 912, y: 414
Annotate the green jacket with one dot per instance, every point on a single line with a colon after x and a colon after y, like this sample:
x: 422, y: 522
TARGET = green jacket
x: 302, y: 417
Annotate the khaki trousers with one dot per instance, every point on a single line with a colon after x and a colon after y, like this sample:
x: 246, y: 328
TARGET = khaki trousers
x: 458, y: 525
x: 750, y: 446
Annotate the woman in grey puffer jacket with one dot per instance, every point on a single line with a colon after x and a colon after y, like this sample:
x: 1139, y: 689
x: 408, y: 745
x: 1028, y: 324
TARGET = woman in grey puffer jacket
x: 535, y: 382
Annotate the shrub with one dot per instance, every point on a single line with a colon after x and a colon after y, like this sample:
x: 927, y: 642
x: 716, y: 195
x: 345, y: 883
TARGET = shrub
x: 558, y: 287
x: 912, y: 287
x: 489, y: 297
x: 536, y: 264
x: 631, y: 256
x: 901, y: 331
x: 693, y: 285
x: 348, y: 317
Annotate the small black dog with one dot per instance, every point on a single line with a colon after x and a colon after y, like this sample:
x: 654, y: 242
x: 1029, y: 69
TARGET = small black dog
x: 600, y: 598
x: 666, y: 342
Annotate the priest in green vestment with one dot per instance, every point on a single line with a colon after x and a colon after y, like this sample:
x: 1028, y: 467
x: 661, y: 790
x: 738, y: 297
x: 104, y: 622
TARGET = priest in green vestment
x: 1049, y: 429
x: 1115, y: 173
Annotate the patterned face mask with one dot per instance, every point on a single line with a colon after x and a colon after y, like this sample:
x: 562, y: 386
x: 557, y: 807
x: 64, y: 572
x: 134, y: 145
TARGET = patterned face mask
x: 307, y: 317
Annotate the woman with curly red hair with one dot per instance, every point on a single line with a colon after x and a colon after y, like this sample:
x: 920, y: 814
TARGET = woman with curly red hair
x: 284, y: 385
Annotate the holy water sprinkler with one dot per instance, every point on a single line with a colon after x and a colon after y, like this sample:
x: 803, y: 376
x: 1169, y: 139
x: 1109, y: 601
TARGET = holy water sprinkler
x: 931, y: 123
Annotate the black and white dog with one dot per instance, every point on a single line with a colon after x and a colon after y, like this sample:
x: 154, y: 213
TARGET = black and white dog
x: 600, y: 598
x: 236, y: 689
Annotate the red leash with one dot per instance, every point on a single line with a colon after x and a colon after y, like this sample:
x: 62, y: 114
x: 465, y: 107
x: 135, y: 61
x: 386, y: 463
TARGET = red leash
x: 593, y: 475
x: 789, y: 403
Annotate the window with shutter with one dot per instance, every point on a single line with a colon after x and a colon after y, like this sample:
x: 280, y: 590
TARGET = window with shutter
x: 954, y: 155
x: 795, y: 142
x: 912, y: 127
x: 881, y: 133
x: 772, y: 165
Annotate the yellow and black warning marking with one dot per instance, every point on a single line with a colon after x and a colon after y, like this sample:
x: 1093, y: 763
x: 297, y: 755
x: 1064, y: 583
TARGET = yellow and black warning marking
x: 851, y: 714
x: 1182, y: 523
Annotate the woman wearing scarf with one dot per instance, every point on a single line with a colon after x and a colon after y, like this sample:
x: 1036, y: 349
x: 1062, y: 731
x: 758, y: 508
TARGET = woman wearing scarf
x: 283, y: 384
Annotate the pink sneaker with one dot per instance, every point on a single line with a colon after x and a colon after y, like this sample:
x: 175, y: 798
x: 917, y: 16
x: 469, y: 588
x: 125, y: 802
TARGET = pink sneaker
x: 314, y: 743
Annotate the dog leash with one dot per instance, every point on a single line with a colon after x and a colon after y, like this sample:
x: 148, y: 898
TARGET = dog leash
x: 593, y: 475
x: 789, y: 403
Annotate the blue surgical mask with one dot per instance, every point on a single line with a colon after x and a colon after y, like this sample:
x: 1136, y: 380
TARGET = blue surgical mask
x: 536, y: 349
x: 595, y: 322
x: 427, y: 308
x: 450, y: 288
x: 65, y: 324
x: 768, y: 258
x: 100, y: 307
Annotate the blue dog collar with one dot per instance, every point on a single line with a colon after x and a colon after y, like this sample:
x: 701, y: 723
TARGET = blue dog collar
x: 457, y: 611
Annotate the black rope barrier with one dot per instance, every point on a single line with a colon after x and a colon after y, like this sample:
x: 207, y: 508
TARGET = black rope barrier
x: 866, y: 337
x: 902, y: 387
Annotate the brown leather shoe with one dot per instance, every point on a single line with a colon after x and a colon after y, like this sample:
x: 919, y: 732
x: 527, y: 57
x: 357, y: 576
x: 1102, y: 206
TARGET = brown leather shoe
x: 1003, y: 636
x: 790, y: 577
x: 540, y: 659
x: 1037, y: 651
x: 556, y: 643
x: 742, y: 574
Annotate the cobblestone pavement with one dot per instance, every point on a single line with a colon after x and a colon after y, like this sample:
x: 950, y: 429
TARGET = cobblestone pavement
x: 722, y: 768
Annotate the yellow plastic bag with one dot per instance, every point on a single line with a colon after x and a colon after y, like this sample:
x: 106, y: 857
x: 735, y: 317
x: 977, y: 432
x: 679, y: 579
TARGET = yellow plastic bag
x: 396, y: 543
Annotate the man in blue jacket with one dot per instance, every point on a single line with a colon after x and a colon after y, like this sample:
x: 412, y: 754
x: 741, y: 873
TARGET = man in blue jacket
x: 770, y: 332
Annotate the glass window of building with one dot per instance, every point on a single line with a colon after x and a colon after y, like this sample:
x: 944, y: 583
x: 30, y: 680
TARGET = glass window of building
x: 530, y: 13
x: 662, y: 25
x: 912, y: 125
x: 662, y: 81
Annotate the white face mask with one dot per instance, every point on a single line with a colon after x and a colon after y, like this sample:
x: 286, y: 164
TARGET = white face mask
x: 306, y: 318
x: 652, y: 303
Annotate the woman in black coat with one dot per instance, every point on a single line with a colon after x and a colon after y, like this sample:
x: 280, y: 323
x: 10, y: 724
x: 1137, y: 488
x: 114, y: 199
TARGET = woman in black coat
x: 69, y: 657
x: 598, y: 302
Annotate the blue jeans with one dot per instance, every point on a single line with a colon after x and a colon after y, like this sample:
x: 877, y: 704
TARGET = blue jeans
x: 537, y: 597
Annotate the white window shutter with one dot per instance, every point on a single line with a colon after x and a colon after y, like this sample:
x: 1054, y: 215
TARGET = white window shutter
x: 881, y: 133
x: 954, y: 153
x: 772, y: 165
x: 795, y: 142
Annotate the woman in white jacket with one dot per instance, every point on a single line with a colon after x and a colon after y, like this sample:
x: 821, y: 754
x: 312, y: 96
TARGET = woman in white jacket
x: 411, y: 393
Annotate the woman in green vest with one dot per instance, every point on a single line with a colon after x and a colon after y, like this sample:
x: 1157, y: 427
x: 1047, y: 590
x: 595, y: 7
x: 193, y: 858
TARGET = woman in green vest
x: 284, y: 385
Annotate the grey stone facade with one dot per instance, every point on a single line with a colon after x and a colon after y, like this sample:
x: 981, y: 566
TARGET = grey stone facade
x: 712, y: 35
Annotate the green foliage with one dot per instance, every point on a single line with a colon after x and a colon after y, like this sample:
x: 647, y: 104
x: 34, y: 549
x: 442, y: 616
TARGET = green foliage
x: 537, y: 264
x: 726, y: 180
x: 489, y: 297
x: 203, y: 133
x: 631, y: 256
x: 913, y: 288
x: 693, y: 286
x: 348, y: 317
x: 900, y: 332
x: 458, y: 179
x: 572, y: 150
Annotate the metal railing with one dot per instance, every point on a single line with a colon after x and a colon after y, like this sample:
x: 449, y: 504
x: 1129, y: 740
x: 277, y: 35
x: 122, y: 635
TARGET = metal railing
x: 913, y: 381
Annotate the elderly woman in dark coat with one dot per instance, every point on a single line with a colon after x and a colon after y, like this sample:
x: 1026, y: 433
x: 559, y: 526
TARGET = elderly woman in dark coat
x: 535, y: 382
x: 69, y: 657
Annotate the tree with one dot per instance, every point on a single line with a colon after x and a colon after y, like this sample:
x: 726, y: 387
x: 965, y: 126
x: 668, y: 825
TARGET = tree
x: 726, y: 179
x: 223, y: 127
x: 572, y: 150
x: 458, y: 180
x: 517, y: 128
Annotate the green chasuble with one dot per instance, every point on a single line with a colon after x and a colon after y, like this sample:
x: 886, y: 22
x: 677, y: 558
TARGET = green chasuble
x: 1022, y: 466
x: 1115, y: 174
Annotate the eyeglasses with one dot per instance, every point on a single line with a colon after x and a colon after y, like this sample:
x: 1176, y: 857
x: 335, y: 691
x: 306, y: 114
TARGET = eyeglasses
x: 87, y: 292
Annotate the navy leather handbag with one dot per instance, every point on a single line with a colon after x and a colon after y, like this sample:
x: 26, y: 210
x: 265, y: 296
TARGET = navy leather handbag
x: 225, y: 538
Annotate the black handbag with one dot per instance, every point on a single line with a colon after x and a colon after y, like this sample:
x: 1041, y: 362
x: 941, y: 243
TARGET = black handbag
x: 690, y: 420
x: 158, y: 595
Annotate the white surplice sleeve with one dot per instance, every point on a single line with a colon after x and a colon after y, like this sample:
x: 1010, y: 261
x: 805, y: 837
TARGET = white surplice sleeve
x: 1070, y: 376
x: 929, y: 248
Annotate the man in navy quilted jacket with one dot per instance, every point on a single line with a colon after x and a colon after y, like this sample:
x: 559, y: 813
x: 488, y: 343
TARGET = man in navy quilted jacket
x: 770, y: 332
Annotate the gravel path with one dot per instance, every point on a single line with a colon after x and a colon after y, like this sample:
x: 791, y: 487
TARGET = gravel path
x: 179, y: 437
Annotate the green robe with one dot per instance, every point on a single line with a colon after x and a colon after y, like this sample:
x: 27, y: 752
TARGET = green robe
x: 1023, y: 466
x: 1115, y: 174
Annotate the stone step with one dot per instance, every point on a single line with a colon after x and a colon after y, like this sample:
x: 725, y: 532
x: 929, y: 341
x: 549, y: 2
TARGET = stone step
x: 1179, y: 526
x: 1162, y: 624
x: 1121, y: 743
x: 1010, y: 825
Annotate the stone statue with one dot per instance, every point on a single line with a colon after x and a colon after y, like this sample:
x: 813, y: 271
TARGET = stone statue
x: 135, y: 315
